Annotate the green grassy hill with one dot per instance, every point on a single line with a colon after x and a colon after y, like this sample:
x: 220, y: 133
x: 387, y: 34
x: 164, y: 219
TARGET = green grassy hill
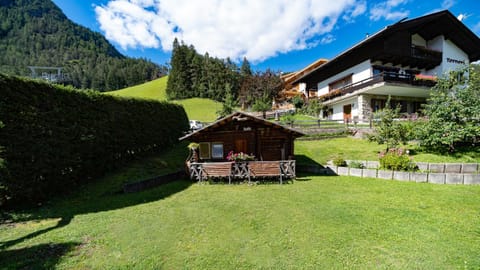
x: 197, y: 108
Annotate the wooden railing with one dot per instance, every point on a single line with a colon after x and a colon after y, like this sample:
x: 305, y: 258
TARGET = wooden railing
x: 392, y: 77
x: 283, y: 169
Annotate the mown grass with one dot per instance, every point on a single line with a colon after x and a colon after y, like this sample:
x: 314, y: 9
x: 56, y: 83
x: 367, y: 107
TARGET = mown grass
x: 350, y: 148
x: 314, y: 223
x: 153, y: 90
x: 201, y: 109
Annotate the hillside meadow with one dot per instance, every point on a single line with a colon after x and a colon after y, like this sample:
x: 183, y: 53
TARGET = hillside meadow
x: 201, y: 109
x: 314, y: 222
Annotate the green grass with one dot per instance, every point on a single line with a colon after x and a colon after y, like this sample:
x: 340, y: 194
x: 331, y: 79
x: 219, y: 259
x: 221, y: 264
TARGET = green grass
x: 314, y: 223
x: 153, y: 90
x: 357, y: 149
x: 202, y: 109
x: 196, y: 108
x: 317, y: 222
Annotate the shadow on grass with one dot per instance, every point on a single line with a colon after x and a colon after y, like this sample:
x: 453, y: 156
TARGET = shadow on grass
x: 44, y: 256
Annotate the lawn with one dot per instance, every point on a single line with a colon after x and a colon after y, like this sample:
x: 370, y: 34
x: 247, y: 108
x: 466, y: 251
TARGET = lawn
x: 350, y: 148
x: 316, y: 222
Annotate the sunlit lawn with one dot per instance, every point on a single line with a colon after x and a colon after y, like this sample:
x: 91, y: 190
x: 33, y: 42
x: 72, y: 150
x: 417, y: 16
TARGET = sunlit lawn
x: 316, y: 222
x: 358, y: 149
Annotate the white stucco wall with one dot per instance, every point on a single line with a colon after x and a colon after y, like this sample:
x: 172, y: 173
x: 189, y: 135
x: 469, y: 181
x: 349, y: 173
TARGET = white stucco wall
x: 452, y: 56
x: 360, y: 72
x: 338, y: 108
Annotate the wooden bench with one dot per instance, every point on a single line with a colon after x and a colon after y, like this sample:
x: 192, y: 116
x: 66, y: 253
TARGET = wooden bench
x: 264, y: 169
x: 216, y: 169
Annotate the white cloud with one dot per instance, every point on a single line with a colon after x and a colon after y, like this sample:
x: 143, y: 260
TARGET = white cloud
x: 357, y: 10
x: 328, y: 38
x: 386, y: 11
x: 446, y: 4
x: 229, y: 28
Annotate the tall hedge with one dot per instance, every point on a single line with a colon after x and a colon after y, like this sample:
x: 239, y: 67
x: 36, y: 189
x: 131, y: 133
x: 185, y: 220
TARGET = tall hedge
x: 54, y: 137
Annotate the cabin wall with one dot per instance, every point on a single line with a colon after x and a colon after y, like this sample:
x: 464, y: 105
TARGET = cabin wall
x: 265, y: 143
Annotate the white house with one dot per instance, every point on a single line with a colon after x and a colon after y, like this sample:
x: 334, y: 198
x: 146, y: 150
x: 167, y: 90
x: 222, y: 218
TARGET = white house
x: 401, y: 61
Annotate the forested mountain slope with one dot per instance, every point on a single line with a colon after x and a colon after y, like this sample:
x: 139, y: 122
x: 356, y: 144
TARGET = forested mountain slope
x: 37, y: 33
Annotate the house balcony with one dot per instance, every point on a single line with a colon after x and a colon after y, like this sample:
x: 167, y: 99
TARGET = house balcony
x: 393, y: 78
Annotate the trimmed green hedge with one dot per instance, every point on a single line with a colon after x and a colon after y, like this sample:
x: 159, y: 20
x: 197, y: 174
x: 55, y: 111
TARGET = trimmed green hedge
x: 55, y: 137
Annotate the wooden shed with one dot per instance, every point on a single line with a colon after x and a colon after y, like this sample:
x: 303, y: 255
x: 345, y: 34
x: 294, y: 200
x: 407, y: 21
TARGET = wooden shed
x: 241, y: 132
x: 270, y: 145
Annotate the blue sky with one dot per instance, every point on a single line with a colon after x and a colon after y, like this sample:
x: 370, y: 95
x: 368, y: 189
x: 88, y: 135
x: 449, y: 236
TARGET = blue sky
x: 278, y: 34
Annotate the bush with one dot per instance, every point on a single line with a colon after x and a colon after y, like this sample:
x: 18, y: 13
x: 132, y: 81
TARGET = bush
x: 356, y: 165
x: 397, y: 160
x: 55, y: 137
x: 339, y: 161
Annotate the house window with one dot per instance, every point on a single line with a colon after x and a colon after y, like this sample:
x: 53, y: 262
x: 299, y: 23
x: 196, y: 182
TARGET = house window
x: 217, y: 150
x: 340, y: 83
x: 204, y: 150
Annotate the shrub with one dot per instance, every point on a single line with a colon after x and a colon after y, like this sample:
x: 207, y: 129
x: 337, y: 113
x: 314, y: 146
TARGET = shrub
x: 339, y: 161
x: 356, y: 165
x: 397, y: 160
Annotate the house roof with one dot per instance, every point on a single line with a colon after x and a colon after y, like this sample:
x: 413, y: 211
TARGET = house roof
x: 241, y: 116
x: 429, y: 26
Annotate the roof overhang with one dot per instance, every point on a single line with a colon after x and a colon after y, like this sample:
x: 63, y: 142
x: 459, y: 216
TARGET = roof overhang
x: 241, y: 116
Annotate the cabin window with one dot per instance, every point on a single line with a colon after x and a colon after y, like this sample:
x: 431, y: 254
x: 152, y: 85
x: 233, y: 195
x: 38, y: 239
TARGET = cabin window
x: 217, y: 150
x: 340, y: 83
x: 204, y: 150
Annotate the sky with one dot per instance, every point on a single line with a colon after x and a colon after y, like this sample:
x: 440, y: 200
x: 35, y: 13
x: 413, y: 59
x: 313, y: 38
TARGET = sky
x: 281, y: 35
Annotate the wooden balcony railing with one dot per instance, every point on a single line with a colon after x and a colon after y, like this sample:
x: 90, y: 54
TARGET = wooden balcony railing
x: 391, y: 77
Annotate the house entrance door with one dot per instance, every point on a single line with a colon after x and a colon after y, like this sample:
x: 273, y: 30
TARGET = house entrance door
x: 241, y: 145
x: 347, y: 113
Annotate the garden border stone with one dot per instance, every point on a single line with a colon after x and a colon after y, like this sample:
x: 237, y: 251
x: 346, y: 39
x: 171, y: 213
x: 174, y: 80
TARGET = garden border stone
x: 401, y: 176
x: 356, y: 172
x: 453, y: 167
x: 370, y: 173
x: 342, y: 170
x: 436, y: 167
x: 454, y: 178
x: 419, y: 177
x: 436, y: 178
x: 469, y: 168
x: 471, y: 179
x: 385, y: 174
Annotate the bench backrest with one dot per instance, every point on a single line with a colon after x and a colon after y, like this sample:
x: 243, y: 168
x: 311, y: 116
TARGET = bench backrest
x: 264, y: 168
x: 217, y: 168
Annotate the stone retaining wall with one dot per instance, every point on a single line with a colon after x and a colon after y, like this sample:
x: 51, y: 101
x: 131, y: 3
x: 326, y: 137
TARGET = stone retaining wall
x: 419, y: 177
x: 469, y: 168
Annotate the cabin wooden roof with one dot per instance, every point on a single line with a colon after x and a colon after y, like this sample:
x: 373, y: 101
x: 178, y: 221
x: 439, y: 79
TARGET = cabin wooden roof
x: 379, y: 45
x: 240, y: 116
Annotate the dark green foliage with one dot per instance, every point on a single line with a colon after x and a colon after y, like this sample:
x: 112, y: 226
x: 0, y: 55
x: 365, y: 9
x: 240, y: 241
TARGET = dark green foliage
x: 312, y: 108
x: 37, y: 33
x: 263, y: 104
x: 297, y: 101
x: 229, y: 103
x: 194, y: 75
x: 453, y: 112
x: 261, y: 85
x: 55, y: 137
x: 389, y: 131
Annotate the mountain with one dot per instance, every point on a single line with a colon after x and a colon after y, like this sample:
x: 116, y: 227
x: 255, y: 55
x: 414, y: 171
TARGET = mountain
x: 37, y: 33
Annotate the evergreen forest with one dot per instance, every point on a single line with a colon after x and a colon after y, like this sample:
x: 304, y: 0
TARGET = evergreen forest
x: 37, y: 33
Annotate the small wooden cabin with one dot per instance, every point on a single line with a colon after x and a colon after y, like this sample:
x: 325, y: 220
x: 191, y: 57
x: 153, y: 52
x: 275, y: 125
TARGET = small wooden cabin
x: 241, y: 132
